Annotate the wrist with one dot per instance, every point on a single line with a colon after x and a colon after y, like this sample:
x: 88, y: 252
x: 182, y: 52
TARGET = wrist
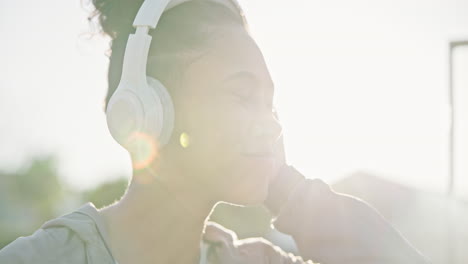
x: 281, y: 187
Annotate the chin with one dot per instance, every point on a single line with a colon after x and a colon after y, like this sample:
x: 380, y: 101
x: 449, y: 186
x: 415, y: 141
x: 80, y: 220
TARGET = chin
x: 246, y: 182
x: 252, y: 193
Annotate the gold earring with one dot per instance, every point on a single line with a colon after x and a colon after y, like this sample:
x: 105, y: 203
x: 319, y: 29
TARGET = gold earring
x: 184, y: 140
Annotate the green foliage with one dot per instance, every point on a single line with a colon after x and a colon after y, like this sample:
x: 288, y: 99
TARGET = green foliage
x: 107, y: 193
x: 28, y: 198
x: 34, y: 194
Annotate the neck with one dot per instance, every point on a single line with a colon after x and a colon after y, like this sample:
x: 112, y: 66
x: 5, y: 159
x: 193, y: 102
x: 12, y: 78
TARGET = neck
x: 158, y: 221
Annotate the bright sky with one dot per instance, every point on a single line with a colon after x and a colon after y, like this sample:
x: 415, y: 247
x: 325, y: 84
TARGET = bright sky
x: 460, y: 72
x: 360, y: 85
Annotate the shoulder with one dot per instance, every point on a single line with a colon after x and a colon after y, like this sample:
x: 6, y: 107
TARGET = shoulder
x: 44, y: 246
x: 73, y: 238
x: 250, y: 250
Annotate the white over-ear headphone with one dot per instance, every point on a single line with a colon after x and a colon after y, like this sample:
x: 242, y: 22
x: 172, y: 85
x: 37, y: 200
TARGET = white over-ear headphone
x: 141, y: 103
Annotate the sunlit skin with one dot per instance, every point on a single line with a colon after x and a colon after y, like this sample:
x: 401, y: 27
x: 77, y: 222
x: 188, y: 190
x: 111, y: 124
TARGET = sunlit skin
x: 225, y: 109
x: 147, y: 149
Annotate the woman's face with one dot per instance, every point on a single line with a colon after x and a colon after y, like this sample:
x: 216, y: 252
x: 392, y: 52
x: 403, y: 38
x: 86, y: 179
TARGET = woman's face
x: 225, y: 108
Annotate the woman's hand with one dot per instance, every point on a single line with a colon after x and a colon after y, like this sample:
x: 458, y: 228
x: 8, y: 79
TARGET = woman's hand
x: 283, y: 182
x: 279, y: 150
x: 280, y: 156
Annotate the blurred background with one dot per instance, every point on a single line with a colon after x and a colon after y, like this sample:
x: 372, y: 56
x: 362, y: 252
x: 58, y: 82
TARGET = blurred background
x: 372, y: 95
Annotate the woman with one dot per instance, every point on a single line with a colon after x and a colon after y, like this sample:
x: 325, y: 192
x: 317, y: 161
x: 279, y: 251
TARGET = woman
x: 225, y: 146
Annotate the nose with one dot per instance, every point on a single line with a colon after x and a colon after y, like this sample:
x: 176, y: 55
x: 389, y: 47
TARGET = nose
x: 267, y: 129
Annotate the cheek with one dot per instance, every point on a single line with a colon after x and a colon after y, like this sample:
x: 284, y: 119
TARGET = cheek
x: 218, y: 134
x: 241, y: 179
x: 220, y: 131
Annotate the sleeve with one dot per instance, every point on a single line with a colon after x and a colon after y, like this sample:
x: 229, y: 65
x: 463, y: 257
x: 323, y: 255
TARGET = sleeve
x: 222, y: 246
x: 334, y: 228
x: 263, y: 251
x: 52, y: 245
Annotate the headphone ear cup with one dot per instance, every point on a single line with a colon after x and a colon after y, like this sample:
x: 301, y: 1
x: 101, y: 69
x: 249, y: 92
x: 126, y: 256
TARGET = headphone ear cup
x: 164, y: 113
x: 148, y: 109
x: 124, y: 114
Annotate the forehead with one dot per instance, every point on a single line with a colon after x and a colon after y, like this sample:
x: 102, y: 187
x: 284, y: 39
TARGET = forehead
x: 232, y: 51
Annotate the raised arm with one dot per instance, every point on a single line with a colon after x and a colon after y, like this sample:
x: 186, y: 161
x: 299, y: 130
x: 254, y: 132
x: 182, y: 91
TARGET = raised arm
x: 333, y: 228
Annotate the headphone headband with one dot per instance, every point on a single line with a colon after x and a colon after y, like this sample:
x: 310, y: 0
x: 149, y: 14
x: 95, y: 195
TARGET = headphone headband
x: 141, y: 103
x: 138, y: 44
x: 151, y: 10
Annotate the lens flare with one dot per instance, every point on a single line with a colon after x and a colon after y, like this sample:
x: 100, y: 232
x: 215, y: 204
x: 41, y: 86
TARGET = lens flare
x: 184, y: 140
x: 143, y: 149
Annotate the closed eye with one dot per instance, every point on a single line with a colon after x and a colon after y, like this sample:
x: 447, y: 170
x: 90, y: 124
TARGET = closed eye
x: 246, y: 86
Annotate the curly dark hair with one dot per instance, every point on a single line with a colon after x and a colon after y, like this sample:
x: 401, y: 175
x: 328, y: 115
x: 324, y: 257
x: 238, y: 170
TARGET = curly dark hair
x: 183, y: 34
